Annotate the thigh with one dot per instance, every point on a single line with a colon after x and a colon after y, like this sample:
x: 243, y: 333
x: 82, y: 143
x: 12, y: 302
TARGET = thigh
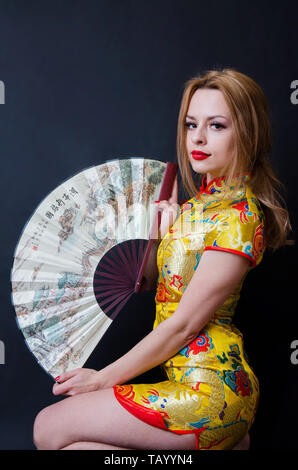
x: 99, y: 417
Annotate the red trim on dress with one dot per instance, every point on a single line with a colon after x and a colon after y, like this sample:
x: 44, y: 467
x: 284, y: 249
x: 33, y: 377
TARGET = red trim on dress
x: 236, y: 252
x: 205, y: 188
x: 152, y: 417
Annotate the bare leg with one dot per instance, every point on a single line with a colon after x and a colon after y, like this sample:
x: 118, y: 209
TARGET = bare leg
x: 91, y: 446
x: 98, y: 417
x: 243, y: 444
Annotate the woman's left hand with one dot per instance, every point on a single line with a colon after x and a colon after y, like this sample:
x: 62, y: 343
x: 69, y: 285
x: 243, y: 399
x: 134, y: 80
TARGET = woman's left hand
x: 77, y: 381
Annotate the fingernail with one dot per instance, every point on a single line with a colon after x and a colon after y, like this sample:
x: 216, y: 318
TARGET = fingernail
x: 57, y: 378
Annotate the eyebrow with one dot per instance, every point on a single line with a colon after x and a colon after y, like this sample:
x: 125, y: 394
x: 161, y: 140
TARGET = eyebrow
x: 208, y: 118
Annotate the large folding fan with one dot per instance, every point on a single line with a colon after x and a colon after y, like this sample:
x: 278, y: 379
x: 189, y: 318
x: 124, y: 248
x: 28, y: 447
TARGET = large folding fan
x: 82, y: 254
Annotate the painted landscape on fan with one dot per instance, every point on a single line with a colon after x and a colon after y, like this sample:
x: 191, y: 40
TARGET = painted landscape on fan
x: 59, y: 251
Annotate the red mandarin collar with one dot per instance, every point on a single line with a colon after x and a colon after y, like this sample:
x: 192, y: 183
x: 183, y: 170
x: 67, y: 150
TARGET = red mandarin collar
x: 216, y: 183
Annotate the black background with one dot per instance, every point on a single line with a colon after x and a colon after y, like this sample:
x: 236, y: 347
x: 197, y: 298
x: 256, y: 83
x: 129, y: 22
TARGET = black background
x: 87, y: 81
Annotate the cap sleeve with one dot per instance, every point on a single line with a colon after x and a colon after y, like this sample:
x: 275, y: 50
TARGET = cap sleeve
x: 240, y: 232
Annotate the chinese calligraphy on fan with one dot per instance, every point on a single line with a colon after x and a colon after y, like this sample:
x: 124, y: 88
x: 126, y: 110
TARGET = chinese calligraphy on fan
x: 52, y: 210
x: 60, y: 202
x: 38, y: 233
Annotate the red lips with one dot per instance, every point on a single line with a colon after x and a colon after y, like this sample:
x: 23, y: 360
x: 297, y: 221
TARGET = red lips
x: 198, y: 155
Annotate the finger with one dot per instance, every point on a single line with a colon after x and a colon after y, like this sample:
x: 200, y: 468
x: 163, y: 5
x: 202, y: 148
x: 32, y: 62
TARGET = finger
x: 162, y: 204
x: 67, y: 375
x: 62, y: 388
x: 174, y: 195
x: 169, y: 206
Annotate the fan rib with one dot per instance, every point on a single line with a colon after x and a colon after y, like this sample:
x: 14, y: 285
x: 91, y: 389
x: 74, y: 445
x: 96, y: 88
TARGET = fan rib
x: 108, y: 264
x: 125, y: 294
x: 119, y: 306
x: 132, y: 265
x: 114, y: 276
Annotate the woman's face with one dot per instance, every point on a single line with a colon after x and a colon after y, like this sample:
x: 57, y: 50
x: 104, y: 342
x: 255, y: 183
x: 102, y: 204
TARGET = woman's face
x: 210, y: 130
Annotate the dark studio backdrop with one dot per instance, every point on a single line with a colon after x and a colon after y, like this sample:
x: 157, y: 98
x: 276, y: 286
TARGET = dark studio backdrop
x: 87, y: 81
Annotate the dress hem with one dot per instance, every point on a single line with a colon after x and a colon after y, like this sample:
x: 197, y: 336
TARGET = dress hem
x: 152, y: 417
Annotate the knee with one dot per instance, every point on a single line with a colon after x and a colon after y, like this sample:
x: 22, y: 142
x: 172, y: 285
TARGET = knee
x: 243, y: 444
x: 43, y: 436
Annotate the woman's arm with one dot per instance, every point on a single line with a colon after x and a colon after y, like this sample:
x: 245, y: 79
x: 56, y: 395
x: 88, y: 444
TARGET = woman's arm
x: 216, y: 277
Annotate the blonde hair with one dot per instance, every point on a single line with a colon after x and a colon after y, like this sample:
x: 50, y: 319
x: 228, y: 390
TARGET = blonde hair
x: 252, y: 131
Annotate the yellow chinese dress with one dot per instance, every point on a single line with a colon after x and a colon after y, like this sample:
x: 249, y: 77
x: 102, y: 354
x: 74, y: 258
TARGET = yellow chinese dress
x: 211, y: 389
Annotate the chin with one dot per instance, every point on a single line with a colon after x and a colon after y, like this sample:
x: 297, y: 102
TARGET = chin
x: 200, y: 166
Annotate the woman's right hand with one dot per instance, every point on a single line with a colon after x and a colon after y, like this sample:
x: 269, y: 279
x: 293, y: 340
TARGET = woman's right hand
x: 76, y: 381
x: 169, y: 210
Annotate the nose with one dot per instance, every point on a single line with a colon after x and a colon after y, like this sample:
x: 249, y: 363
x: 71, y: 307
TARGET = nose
x: 198, y: 135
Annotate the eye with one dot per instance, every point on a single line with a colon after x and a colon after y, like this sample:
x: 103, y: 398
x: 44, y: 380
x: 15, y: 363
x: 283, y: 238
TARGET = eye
x: 188, y: 124
x: 217, y: 124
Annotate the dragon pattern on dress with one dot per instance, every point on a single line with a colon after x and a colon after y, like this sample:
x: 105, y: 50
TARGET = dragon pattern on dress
x: 210, y: 388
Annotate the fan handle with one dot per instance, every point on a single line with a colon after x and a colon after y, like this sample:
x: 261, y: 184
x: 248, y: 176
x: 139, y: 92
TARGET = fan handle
x: 164, y: 194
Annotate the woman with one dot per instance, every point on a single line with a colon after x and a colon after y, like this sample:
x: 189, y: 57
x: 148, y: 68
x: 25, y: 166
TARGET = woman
x: 210, y: 394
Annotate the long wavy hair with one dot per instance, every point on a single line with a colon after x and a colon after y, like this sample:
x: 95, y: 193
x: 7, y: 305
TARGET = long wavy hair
x: 252, y: 146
